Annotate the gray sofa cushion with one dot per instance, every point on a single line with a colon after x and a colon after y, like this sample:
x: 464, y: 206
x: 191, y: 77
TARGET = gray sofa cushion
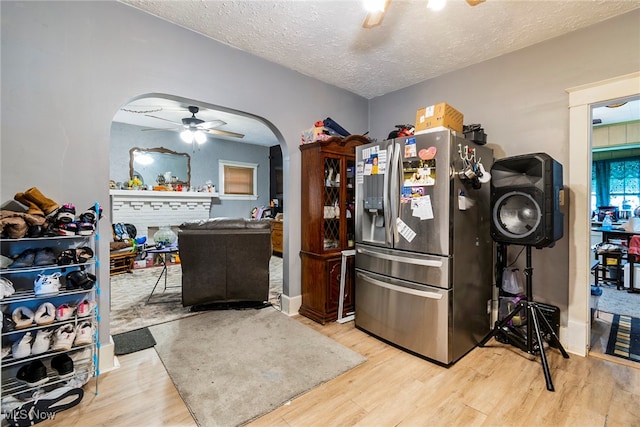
x: 225, y: 224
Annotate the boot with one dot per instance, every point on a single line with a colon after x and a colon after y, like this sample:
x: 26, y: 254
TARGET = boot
x: 33, y: 208
x: 48, y: 206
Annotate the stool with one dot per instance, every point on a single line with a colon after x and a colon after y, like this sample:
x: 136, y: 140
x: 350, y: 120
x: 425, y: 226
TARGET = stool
x: 609, y: 259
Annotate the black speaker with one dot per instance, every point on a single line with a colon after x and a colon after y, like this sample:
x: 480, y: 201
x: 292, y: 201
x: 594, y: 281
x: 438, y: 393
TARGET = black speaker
x: 525, y: 200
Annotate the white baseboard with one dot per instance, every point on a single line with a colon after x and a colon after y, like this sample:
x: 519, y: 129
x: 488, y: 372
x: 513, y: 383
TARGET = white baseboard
x: 575, y: 337
x: 291, y: 305
x: 106, y: 357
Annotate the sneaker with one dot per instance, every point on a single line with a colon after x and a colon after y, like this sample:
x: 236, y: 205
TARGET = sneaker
x: 63, y: 364
x: 33, y: 374
x: 65, y: 312
x: 67, y: 228
x: 85, y: 229
x: 45, y: 314
x: 44, y: 256
x: 78, y: 279
x: 6, y: 287
x: 6, y: 350
x: 22, y: 317
x: 22, y: 347
x: 85, y: 308
x: 84, y: 334
x: 47, y: 284
x: 90, y: 215
x: 63, y: 338
x: 25, y: 259
x: 66, y: 213
x: 42, y: 342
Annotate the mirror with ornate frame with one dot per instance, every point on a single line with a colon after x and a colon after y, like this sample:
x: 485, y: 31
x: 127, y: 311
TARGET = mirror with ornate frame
x: 159, y: 166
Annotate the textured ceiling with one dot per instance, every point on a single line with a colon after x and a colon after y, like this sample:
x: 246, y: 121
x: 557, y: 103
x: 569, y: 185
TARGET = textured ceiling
x: 411, y: 45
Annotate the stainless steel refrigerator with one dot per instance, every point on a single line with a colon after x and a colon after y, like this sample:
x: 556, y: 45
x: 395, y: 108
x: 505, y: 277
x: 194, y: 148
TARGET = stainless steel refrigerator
x: 424, y: 255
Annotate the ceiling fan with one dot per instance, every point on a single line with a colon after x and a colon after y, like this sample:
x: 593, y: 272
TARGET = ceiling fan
x: 193, y: 129
x: 374, y: 18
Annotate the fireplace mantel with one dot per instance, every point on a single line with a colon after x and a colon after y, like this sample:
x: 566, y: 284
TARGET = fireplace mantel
x: 146, y: 209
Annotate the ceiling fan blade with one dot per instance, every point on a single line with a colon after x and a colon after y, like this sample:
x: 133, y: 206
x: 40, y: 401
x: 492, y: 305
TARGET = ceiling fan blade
x: 171, y: 129
x: 160, y: 118
x: 212, y: 124
x: 475, y: 2
x: 373, y: 19
x: 224, y: 132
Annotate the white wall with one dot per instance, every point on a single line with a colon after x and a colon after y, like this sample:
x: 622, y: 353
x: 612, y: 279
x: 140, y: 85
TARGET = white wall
x: 67, y: 67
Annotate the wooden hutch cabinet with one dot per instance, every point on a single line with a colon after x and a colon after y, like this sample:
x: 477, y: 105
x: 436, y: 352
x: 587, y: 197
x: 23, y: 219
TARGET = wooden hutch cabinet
x: 328, y: 225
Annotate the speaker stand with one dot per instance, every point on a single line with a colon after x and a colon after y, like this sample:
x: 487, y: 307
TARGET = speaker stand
x: 536, y: 323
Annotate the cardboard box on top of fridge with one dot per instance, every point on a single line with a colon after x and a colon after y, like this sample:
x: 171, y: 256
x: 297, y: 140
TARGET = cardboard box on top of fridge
x: 437, y: 115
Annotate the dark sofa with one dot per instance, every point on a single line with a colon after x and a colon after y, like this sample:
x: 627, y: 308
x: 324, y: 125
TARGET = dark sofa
x: 225, y: 260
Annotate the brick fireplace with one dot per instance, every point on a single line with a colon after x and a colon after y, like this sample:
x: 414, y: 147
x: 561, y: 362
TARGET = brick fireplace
x: 146, y: 209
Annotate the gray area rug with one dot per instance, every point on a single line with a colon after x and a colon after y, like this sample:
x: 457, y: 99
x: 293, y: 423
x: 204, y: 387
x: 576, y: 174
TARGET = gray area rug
x: 619, y: 302
x: 233, y: 366
x: 129, y: 293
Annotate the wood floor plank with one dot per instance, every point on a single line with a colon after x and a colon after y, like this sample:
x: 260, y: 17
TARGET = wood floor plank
x: 494, y: 386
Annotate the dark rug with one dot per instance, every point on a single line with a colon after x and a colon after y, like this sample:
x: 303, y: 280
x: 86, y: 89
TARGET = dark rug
x: 624, y: 340
x: 132, y: 341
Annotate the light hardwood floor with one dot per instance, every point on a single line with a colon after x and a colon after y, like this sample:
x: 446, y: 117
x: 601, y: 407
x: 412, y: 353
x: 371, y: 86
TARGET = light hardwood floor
x: 493, y: 386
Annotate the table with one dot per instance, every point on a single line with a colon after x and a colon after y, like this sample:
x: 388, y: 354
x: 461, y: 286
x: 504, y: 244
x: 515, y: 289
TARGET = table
x: 163, y: 256
x: 621, y: 234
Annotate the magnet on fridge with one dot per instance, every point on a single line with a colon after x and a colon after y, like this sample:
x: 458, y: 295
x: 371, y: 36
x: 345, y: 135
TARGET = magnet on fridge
x: 484, y: 176
x: 428, y: 153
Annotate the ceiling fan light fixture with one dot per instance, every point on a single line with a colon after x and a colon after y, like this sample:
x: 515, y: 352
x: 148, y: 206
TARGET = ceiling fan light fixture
x: 200, y: 137
x: 187, y: 136
x: 374, y: 5
x: 436, y: 4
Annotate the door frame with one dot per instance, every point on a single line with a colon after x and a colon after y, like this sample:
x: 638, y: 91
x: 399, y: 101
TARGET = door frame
x: 581, y: 99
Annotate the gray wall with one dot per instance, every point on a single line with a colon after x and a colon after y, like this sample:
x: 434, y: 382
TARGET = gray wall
x: 67, y: 67
x: 520, y: 100
x: 204, y: 162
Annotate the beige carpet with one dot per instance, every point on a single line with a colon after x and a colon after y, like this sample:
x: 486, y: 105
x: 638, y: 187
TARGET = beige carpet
x: 232, y: 366
x: 129, y: 293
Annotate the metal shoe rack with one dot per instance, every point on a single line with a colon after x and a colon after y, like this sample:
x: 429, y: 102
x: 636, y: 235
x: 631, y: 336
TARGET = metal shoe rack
x: 85, y: 357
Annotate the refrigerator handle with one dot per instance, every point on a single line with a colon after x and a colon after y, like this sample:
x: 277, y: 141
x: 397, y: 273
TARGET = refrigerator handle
x: 396, y: 170
x: 401, y: 259
x: 401, y: 289
x: 385, y: 197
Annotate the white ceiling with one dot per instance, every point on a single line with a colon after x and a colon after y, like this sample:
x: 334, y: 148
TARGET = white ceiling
x: 411, y: 45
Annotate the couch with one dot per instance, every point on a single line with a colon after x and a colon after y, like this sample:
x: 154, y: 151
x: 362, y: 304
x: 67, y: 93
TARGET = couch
x: 224, y: 260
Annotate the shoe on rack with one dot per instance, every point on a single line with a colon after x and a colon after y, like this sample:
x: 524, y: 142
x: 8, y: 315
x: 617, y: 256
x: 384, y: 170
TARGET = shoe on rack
x: 22, y: 347
x: 67, y: 257
x: 25, y: 259
x: 33, y: 374
x: 42, y: 343
x: 6, y: 350
x: 22, y: 317
x: 63, y: 364
x: 47, y: 205
x: 84, y: 334
x: 5, y: 261
x: 85, y: 308
x: 47, y: 284
x: 66, y: 213
x: 44, y: 256
x: 63, y: 338
x: 84, y: 254
x: 90, y: 215
x: 32, y: 208
x: 85, y: 228
x: 8, y: 324
x: 45, y: 314
x: 80, y: 279
x: 67, y: 228
x: 65, y: 312
x: 6, y: 287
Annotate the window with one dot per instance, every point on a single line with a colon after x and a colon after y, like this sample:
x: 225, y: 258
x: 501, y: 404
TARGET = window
x: 238, y: 180
x: 616, y: 182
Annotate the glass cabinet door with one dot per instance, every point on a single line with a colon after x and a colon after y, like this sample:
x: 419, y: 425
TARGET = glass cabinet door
x: 331, y: 203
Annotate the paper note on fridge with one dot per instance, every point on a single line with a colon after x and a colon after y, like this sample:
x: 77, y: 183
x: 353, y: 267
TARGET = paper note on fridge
x: 421, y: 207
x: 404, y: 230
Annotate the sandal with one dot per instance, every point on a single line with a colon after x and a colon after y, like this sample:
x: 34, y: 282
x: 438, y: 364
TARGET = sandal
x: 68, y: 256
x: 84, y: 254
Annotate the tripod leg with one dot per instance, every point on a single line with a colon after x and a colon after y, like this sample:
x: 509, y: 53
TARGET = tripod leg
x: 499, y: 325
x: 543, y: 357
x: 554, y: 337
